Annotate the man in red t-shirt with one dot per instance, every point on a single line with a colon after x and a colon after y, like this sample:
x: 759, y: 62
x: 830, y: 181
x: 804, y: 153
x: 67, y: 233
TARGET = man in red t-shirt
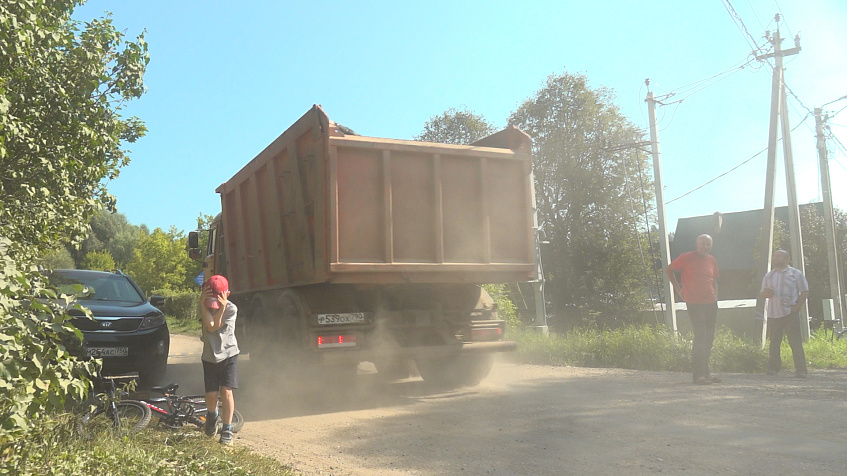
x: 699, y: 273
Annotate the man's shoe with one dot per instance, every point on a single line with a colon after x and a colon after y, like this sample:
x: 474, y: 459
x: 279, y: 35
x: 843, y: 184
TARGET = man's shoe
x: 211, y: 426
x: 226, y: 437
x: 771, y: 372
x: 801, y: 375
x: 714, y: 379
x: 702, y: 381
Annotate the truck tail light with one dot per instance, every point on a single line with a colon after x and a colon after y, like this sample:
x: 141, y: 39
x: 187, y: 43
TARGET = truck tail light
x: 336, y: 340
x: 486, y: 334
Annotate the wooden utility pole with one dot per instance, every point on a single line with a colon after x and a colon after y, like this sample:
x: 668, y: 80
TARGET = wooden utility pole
x: 670, y: 317
x: 829, y: 222
x: 779, y: 108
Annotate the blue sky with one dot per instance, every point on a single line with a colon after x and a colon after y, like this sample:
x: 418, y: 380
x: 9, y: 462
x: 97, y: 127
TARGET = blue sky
x: 226, y: 78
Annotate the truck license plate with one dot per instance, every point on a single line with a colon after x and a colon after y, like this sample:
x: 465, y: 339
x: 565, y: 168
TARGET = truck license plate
x: 107, y: 351
x: 343, y: 318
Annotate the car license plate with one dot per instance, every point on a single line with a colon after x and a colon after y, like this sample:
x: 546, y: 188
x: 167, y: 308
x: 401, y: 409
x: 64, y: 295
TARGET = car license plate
x: 107, y: 351
x: 343, y: 318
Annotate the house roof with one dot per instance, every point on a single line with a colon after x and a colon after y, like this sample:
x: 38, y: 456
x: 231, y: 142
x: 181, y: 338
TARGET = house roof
x: 733, y: 245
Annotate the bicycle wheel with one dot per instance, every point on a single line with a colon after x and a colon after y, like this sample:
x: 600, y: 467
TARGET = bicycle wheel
x: 237, y: 421
x: 237, y: 418
x: 131, y: 417
x: 199, y: 404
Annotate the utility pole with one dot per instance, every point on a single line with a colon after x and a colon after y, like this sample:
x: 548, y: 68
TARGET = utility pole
x: 670, y: 318
x: 829, y: 221
x: 779, y: 108
x: 538, y: 283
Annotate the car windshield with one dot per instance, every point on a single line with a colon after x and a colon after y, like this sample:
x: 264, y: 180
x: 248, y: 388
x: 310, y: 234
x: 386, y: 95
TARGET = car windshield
x: 96, y: 287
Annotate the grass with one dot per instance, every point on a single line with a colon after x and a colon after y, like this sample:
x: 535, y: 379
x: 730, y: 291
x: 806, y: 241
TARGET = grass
x: 54, y: 449
x: 177, y: 325
x: 823, y: 352
x: 654, y: 348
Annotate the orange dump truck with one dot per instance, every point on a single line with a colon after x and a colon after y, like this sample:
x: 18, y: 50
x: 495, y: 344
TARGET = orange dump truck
x: 341, y: 248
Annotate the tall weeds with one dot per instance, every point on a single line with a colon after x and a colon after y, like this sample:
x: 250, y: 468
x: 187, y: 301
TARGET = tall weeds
x: 654, y: 348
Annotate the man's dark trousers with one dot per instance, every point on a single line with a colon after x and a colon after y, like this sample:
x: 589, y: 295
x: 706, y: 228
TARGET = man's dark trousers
x: 703, y: 317
x: 790, y: 326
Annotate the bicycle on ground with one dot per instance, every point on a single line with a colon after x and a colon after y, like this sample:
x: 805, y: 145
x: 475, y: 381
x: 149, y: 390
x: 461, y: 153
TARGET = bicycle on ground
x: 107, y: 412
x: 174, y: 411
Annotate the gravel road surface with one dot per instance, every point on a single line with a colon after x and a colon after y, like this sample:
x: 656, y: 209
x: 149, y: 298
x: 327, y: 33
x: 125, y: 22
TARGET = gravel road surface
x: 538, y: 420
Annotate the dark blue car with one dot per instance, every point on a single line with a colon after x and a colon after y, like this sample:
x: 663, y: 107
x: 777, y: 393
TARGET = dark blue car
x: 128, y: 331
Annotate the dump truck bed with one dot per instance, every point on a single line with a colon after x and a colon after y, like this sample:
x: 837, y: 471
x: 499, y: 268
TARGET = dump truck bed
x: 318, y: 205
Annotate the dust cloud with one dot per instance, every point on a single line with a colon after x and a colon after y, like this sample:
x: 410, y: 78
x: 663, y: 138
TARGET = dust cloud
x: 270, y: 394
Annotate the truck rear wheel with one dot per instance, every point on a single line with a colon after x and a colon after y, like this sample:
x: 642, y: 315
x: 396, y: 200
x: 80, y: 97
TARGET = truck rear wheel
x: 265, y: 336
x: 455, y: 371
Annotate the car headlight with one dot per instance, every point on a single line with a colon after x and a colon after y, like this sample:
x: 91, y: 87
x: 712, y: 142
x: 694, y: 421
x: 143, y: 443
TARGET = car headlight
x: 154, y: 320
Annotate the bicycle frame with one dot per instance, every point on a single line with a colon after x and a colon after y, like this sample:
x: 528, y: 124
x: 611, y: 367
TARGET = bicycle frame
x: 178, y: 410
x: 174, y: 410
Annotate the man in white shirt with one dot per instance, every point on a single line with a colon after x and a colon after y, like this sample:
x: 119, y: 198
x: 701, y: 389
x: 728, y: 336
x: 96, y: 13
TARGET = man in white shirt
x: 786, y: 290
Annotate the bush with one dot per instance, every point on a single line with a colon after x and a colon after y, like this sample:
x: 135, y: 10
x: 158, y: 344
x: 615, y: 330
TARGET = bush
x: 39, y: 368
x: 823, y: 351
x: 181, y: 305
x: 636, y: 347
x: 505, y: 307
x: 98, y: 260
x: 731, y: 353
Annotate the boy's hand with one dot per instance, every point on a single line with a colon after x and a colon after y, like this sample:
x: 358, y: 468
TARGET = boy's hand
x: 222, y: 298
x: 205, y: 293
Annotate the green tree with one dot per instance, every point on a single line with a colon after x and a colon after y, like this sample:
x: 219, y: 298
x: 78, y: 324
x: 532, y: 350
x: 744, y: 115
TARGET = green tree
x: 816, y: 256
x: 589, y: 196
x: 111, y: 232
x: 455, y: 127
x: 59, y: 258
x: 159, y: 262
x: 98, y: 260
x: 62, y: 86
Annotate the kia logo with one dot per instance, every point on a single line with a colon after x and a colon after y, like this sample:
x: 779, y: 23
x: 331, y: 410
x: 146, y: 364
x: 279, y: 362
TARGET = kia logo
x: 105, y: 324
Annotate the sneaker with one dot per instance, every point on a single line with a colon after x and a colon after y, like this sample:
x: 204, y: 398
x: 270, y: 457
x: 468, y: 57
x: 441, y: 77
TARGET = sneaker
x: 801, y: 375
x: 211, y: 426
x: 226, y: 437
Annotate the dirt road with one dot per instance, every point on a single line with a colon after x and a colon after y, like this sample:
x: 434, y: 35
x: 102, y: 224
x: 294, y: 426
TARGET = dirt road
x: 527, y: 419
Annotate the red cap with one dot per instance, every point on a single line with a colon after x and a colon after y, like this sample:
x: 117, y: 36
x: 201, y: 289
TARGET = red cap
x: 218, y: 284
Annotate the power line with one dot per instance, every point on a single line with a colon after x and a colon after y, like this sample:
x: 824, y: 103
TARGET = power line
x: 732, y: 169
x: 649, y: 235
x: 840, y: 145
x: 835, y: 100
x: 739, y: 23
x: 697, y: 86
x: 781, y: 16
x: 808, y: 111
x: 756, y: 16
x: 715, y: 178
x: 837, y: 112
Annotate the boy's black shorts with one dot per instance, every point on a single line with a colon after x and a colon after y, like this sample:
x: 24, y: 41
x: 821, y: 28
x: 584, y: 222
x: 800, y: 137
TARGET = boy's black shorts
x: 221, y: 374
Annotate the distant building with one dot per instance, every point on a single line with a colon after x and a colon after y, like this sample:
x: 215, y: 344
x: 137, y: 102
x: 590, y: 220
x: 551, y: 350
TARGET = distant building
x: 733, y: 247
